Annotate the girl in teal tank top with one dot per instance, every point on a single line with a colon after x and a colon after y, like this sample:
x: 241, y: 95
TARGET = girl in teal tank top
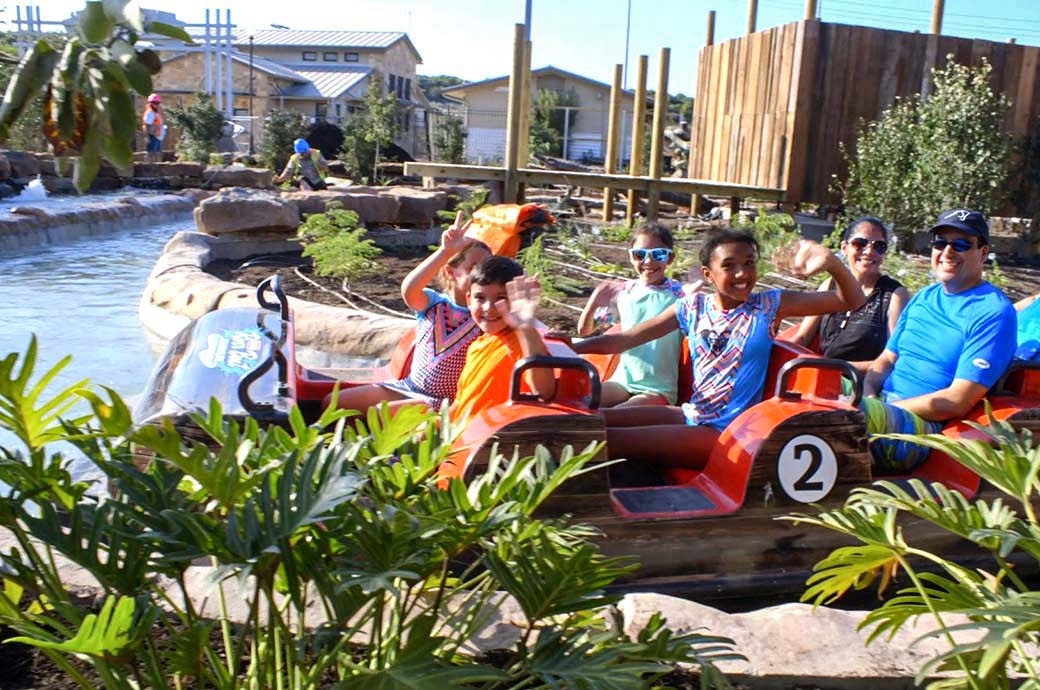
x: 647, y: 374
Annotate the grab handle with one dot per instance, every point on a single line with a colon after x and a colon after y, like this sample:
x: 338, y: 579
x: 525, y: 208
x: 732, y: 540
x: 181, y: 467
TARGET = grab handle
x: 797, y: 363
x: 274, y: 283
x: 246, y: 400
x: 548, y: 362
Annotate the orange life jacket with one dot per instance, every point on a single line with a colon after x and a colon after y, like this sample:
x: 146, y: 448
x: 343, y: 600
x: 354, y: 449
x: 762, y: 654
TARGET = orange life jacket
x: 155, y: 129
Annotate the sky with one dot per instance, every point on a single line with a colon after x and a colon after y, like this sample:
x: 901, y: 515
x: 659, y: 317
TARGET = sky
x: 473, y: 39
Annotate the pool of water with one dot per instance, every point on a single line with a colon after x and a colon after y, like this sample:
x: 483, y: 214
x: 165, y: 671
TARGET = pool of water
x: 80, y: 298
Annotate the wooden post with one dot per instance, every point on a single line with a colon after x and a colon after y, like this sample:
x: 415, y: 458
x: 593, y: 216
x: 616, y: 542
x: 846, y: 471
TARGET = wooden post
x: 710, y: 39
x: 657, y: 140
x: 1011, y: 40
x: 810, y: 9
x: 510, y: 189
x: 695, y: 199
x: 937, y: 16
x: 752, y: 15
x: 613, y: 134
x: 524, y: 155
x: 635, y: 160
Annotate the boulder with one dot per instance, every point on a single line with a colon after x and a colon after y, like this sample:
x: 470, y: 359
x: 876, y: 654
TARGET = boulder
x: 216, y: 177
x: 22, y: 164
x: 168, y: 170
x: 418, y: 206
x: 237, y: 209
x: 372, y: 209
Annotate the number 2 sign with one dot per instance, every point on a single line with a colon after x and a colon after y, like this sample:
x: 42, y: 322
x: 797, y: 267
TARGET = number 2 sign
x: 806, y: 468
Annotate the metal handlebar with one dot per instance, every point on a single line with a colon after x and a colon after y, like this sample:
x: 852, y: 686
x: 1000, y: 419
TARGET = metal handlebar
x: 818, y: 363
x: 548, y: 362
x: 247, y: 402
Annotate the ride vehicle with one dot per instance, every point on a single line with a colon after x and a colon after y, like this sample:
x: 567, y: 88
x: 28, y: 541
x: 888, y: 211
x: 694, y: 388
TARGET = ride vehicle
x: 709, y: 532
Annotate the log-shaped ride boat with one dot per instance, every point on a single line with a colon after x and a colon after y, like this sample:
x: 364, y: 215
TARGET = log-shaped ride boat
x: 709, y: 532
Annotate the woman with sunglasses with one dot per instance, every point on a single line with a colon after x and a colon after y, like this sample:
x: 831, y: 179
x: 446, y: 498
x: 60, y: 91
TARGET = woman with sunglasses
x: 647, y: 374
x: 859, y: 336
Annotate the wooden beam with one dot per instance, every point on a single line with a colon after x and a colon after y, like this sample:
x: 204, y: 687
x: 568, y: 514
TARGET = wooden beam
x: 642, y: 183
x: 752, y: 15
x: 657, y: 136
x: 613, y: 132
x: 937, y: 16
x: 710, y: 38
x: 635, y: 160
x: 810, y: 9
x: 513, y: 124
x: 524, y: 154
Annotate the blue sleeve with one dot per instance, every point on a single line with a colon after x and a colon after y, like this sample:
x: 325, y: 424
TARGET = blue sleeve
x: 432, y: 299
x: 685, y: 312
x: 988, y: 348
x: 769, y: 302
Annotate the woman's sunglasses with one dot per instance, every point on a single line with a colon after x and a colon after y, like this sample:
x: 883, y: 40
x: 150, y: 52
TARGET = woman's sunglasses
x: 959, y: 245
x: 660, y: 254
x: 880, y: 246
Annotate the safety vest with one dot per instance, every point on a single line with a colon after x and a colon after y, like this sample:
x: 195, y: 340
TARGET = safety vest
x: 155, y: 128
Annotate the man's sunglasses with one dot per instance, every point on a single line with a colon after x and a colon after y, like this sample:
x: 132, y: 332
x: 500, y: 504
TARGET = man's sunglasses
x: 959, y: 245
x: 660, y: 254
x: 880, y: 246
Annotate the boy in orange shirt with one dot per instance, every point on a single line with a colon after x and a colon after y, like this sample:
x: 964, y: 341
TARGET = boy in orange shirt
x: 502, y: 302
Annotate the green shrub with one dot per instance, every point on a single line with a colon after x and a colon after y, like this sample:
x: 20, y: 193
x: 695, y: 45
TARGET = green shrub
x: 281, y: 129
x: 449, y: 140
x: 933, y: 152
x: 368, y: 131
x: 199, y: 126
x: 999, y: 604
x: 548, y: 124
x: 337, y: 245
x: 343, y: 521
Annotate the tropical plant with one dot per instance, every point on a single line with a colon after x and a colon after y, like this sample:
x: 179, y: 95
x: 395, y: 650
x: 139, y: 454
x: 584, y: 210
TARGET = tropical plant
x: 478, y: 198
x: 281, y: 129
x: 449, y: 139
x: 998, y: 603
x: 555, y: 284
x: 776, y: 233
x: 356, y: 570
x: 199, y: 125
x: 370, y: 130
x: 933, y: 152
x: 88, y: 108
x: 337, y: 245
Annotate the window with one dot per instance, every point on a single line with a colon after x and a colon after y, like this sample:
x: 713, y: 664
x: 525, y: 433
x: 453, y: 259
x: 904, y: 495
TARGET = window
x: 350, y: 57
x: 339, y: 111
x: 310, y: 56
x: 391, y: 83
x: 330, y: 57
x: 408, y: 89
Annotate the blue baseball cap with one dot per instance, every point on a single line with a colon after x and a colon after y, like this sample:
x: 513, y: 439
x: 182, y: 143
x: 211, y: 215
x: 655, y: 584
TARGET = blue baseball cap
x: 967, y: 221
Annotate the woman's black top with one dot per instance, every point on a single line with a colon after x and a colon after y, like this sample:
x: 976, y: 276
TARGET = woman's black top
x: 862, y: 334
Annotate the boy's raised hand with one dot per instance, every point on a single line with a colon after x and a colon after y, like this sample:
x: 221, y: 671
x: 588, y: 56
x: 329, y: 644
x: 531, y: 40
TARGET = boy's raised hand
x: 810, y: 258
x: 453, y: 239
x: 524, y: 293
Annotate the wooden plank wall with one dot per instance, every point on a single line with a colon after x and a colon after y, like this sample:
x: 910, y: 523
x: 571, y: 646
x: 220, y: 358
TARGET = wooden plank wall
x: 772, y: 107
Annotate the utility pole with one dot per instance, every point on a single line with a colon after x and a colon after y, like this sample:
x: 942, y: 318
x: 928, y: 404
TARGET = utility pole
x: 250, y: 94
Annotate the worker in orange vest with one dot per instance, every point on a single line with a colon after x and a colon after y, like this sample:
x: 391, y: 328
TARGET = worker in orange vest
x: 152, y: 124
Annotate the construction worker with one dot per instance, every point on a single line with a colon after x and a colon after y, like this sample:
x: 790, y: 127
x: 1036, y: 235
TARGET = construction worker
x: 306, y: 168
x: 152, y: 124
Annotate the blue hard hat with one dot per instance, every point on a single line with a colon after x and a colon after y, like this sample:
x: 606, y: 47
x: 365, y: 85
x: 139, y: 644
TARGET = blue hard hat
x: 301, y: 146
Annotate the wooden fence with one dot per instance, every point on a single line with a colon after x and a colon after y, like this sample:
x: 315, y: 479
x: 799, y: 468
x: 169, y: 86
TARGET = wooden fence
x: 772, y: 106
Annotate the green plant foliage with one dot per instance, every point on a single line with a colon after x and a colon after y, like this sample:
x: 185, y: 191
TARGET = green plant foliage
x: 337, y: 245
x: 997, y: 602
x: 345, y: 521
x: 537, y: 263
x: 773, y: 232
x: 88, y: 85
x: 368, y: 131
x: 933, y: 152
x: 281, y: 129
x: 449, y: 140
x: 199, y: 125
x: 548, y: 123
x: 477, y: 199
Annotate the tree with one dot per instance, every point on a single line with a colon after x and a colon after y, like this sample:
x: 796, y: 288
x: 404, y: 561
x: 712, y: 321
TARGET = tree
x: 372, y: 128
x: 87, y: 108
x: 449, y: 140
x: 932, y: 152
x: 281, y: 128
x: 432, y: 85
x: 548, y: 124
x: 199, y: 124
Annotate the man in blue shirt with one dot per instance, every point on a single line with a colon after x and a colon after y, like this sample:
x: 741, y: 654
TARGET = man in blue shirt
x: 953, y: 341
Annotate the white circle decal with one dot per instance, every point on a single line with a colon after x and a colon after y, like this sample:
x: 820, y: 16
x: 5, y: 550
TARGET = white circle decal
x: 806, y: 468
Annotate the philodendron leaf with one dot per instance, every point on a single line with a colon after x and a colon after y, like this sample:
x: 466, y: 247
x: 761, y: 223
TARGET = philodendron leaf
x: 94, y: 22
x: 32, y: 73
x: 126, y: 12
x: 170, y: 31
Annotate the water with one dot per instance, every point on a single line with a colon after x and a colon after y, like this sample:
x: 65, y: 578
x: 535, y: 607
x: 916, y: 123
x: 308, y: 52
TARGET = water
x: 35, y: 191
x: 81, y: 298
